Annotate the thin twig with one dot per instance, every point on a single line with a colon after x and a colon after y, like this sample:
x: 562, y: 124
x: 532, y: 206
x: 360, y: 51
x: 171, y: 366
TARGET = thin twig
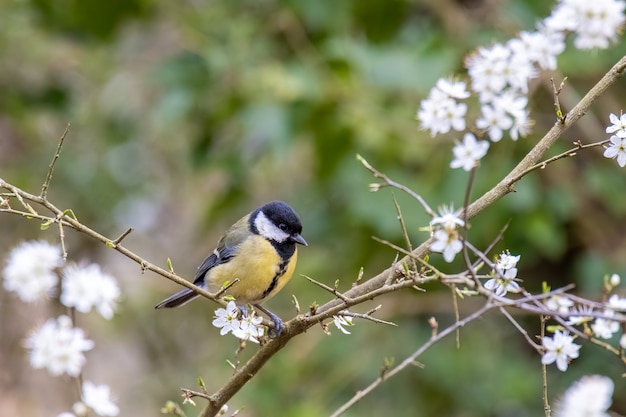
x: 46, y: 183
x: 122, y: 236
x: 557, y: 102
x: 569, y: 153
x: 409, y: 361
x: 329, y: 289
x: 367, y: 317
x: 389, y: 182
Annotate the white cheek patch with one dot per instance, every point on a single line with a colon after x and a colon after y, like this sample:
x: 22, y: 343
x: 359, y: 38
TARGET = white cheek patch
x: 268, y: 230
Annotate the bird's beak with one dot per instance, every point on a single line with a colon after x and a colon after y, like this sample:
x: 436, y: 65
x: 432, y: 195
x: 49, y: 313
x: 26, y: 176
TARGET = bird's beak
x: 298, y: 239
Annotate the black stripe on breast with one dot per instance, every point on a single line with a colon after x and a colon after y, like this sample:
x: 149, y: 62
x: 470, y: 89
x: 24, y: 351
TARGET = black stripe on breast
x: 281, y: 271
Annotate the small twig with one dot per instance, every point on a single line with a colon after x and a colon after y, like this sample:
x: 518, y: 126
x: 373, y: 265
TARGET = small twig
x: 520, y: 329
x: 465, y: 228
x: 557, y: 103
x: 544, y: 374
x: 46, y: 183
x: 367, y: 317
x: 226, y: 288
x: 409, y: 254
x: 567, y: 154
x: 122, y: 236
x: 190, y: 394
x: 409, y: 361
x: 405, y: 233
x: 391, y: 183
x: 329, y: 289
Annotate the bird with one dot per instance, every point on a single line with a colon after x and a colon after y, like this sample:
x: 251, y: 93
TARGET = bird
x: 257, y: 255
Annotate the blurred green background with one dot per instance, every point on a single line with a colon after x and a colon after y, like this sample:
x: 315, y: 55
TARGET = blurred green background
x: 186, y: 115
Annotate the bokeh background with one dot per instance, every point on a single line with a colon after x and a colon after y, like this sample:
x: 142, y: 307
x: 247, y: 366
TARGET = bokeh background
x: 186, y: 115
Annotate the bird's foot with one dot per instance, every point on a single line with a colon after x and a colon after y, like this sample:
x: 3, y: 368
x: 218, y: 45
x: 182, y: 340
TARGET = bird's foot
x: 278, y: 323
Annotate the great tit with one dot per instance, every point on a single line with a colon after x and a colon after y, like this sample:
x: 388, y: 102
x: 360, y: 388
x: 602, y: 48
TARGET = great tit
x: 259, y: 251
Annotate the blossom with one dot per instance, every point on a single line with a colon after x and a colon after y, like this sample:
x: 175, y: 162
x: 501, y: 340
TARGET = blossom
x: 494, y: 120
x: 341, y: 321
x: 58, y: 347
x: 560, y: 348
x: 454, y: 89
x: 604, y: 328
x: 250, y: 328
x: 614, y: 280
x: 441, y: 112
x: 502, y: 285
x: 617, y: 303
x: 504, y: 272
x: 30, y: 270
x: 595, y: 23
x: 87, y: 287
x: 98, y: 398
x: 468, y: 152
x: 227, y: 320
x: 617, y: 148
x: 618, y: 125
x: 447, y: 218
x: 507, y: 262
x: 590, y: 396
x: 559, y: 303
x: 448, y: 243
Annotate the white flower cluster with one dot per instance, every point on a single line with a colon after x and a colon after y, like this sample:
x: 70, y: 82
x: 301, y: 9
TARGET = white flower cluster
x: 447, y: 239
x: 504, y: 275
x: 96, y: 398
x: 561, y: 348
x: 88, y: 287
x: 247, y: 328
x: 595, y: 23
x: 32, y: 273
x: 58, y: 346
x: 499, y: 76
x: 617, y: 148
x: 30, y: 270
x: 441, y: 111
x: 590, y: 396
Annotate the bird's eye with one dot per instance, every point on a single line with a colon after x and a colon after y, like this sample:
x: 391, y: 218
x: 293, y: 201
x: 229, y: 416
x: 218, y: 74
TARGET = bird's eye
x: 282, y: 227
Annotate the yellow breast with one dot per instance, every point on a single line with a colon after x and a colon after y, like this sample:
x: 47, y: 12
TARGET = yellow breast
x: 258, y: 267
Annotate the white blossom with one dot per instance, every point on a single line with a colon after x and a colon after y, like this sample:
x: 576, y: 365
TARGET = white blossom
x: 618, y: 125
x: 605, y: 328
x: 227, y: 319
x: 595, y: 23
x: 617, y: 149
x: 468, y: 152
x: 590, y: 396
x: 98, y: 398
x: 88, y: 287
x: 58, y: 347
x: 342, y: 321
x: 559, y: 303
x: 448, y: 243
x: 560, y: 349
x: 250, y: 328
x: 30, y: 270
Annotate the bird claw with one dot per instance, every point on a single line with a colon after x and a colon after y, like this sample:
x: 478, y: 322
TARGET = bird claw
x: 278, y: 323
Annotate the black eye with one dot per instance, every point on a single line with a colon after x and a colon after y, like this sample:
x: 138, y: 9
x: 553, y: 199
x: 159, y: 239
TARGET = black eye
x: 282, y: 227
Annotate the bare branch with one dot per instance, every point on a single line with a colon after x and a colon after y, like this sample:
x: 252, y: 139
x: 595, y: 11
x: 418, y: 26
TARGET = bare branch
x: 46, y: 183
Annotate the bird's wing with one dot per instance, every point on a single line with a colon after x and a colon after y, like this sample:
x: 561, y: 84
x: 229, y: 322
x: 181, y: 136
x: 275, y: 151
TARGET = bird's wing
x: 226, y: 249
x: 221, y: 255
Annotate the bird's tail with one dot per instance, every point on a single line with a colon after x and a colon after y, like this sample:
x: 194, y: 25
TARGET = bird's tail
x: 178, y: 299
